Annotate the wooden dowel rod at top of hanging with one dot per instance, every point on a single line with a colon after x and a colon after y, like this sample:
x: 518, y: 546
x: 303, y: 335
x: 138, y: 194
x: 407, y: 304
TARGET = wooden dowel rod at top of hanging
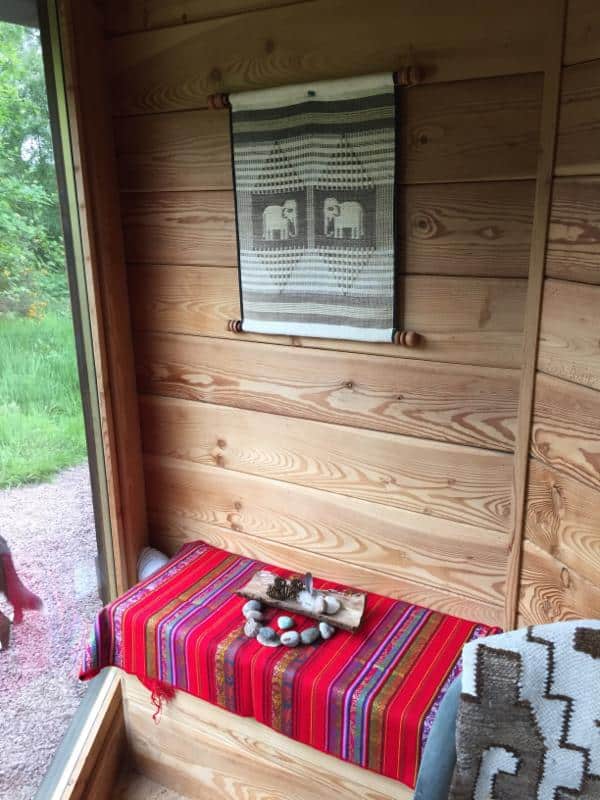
x: 408, y: 75
x: 402, y: 338
x: 218, y: 101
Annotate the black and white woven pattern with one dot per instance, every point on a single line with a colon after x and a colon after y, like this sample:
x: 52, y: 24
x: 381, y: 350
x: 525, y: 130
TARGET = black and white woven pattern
x: 314, y: 170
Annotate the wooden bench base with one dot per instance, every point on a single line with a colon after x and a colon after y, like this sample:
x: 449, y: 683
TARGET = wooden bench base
x: 203, y: 751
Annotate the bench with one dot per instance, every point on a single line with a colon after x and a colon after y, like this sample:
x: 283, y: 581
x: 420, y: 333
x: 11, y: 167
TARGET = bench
x: 369, y: 698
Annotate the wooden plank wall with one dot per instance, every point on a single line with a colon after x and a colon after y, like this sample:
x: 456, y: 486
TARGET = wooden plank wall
x: 388, y: 468
x: 561, y: 557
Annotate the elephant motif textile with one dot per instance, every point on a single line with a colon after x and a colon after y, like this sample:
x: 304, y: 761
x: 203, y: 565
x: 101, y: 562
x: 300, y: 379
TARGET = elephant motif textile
x: 315, y: 182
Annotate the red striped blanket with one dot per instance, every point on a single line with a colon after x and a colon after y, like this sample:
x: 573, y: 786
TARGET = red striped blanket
x: 368, y: 697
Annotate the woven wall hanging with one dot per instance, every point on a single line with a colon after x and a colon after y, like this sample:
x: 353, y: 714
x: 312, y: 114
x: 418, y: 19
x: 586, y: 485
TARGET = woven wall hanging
x: 315, y: 186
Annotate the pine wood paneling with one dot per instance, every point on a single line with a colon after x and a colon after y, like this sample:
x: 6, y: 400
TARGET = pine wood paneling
x: 582, y: 40
x: 578, y: 152
x: 574, y: 236
x: 455, y: 558
x: 570, y: 332
x: 563, y: 518
x: 550, y: 591
x: 464, y: 320
x: 463, y: 484
x: 535, y: 284
x: 180, y: 228
x: 170, y: 531
x: 128, y: 16
x: 464, y: 131
x: 463, y: 405
x: 471, y: 130
x: 475, y: 229
x: 176, y: 68
x: 566, y: 429
x: 174, y: 152
x: 203, y: 751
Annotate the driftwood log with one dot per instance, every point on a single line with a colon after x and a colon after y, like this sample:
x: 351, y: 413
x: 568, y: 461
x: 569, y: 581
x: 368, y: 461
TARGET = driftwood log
x: 348, y: 618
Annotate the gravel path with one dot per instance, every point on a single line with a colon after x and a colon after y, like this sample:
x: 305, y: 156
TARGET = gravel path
x: 50, y: 529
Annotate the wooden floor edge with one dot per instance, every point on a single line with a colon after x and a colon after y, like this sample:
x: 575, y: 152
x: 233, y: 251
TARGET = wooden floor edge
x: 200, y: 750
x: 103, y: 721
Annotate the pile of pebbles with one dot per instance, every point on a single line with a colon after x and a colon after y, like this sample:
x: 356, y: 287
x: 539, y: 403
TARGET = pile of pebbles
x: 285, y: 634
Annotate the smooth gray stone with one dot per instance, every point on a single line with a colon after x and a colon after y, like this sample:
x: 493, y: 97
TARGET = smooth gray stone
x: 252, y: 613
x: 267, y: 633
x: 309, y: 636
x: 319, y: 604
x: 326, y: 630
x: 251, y: 628
x: 332, y: 605
x: 270, y: 642
x: 290, y: 638
x: 285, y: 623
x: 251, y: 605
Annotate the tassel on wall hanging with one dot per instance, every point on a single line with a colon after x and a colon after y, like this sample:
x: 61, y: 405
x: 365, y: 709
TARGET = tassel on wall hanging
x: 315, y: 177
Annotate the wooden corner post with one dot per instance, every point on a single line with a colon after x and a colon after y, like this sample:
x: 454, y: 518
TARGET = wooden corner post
x: 537, y: 257
x: 100, y: 239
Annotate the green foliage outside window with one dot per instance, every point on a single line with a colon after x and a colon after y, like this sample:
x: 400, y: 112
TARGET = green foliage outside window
x: 32, y: 267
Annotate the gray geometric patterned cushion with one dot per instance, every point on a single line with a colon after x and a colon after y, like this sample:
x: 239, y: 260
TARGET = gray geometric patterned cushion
x: 528, y: 724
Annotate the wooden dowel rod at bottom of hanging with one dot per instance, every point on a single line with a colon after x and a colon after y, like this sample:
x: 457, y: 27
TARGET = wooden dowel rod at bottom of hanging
x: 402, y: 338
x: 407, y: 338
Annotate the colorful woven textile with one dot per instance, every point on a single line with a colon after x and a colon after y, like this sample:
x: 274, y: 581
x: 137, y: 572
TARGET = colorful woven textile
x: 368, y: 697
x: 315, y: 169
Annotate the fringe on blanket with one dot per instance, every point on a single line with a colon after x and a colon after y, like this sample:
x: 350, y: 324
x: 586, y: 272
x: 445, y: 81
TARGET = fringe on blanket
x: 160, y: 693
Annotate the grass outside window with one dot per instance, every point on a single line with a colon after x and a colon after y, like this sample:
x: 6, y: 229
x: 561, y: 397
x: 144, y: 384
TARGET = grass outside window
x: 41, y: 421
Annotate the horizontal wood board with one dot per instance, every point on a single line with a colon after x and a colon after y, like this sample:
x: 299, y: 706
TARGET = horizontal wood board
x: 466, y: 485
x: 463, y: 320
x: 462, y: 405
x: 450, y: 557
x: 177, y: 68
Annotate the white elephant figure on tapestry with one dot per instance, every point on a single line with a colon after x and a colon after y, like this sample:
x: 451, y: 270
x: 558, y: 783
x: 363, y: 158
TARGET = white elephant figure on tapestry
x: 280, y: 222
x: 342, y: 217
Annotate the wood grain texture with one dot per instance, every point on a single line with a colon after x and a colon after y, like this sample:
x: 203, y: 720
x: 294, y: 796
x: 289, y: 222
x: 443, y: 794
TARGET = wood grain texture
x: 180, y: 228
x: 170, y: 531
x: 448, y: 229
x: 203, y: 751
x: 475, y: 229
x: 577, y: 150
x: 574, y: 235
x: 471, y: 130
x: 468, y: 130
x: 550, y: 591
x: 132, y: 785
x: 570, y: 332
x: 535, y: 284
x: 459, y: 559
x: 464, y: 320
x: 98, y: 220
x: 130, y: 16
x: 566, y: 429
x: 563, y: 518
x: 462, y: 484
x: 462, y: 405
x: 174, y: 152
x: 177, y: 68
x: 582, y: 40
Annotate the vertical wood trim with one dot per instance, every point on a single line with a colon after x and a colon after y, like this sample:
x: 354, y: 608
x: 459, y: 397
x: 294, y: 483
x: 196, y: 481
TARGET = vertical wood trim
x: 541, y: 219
x: 102, y: 240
